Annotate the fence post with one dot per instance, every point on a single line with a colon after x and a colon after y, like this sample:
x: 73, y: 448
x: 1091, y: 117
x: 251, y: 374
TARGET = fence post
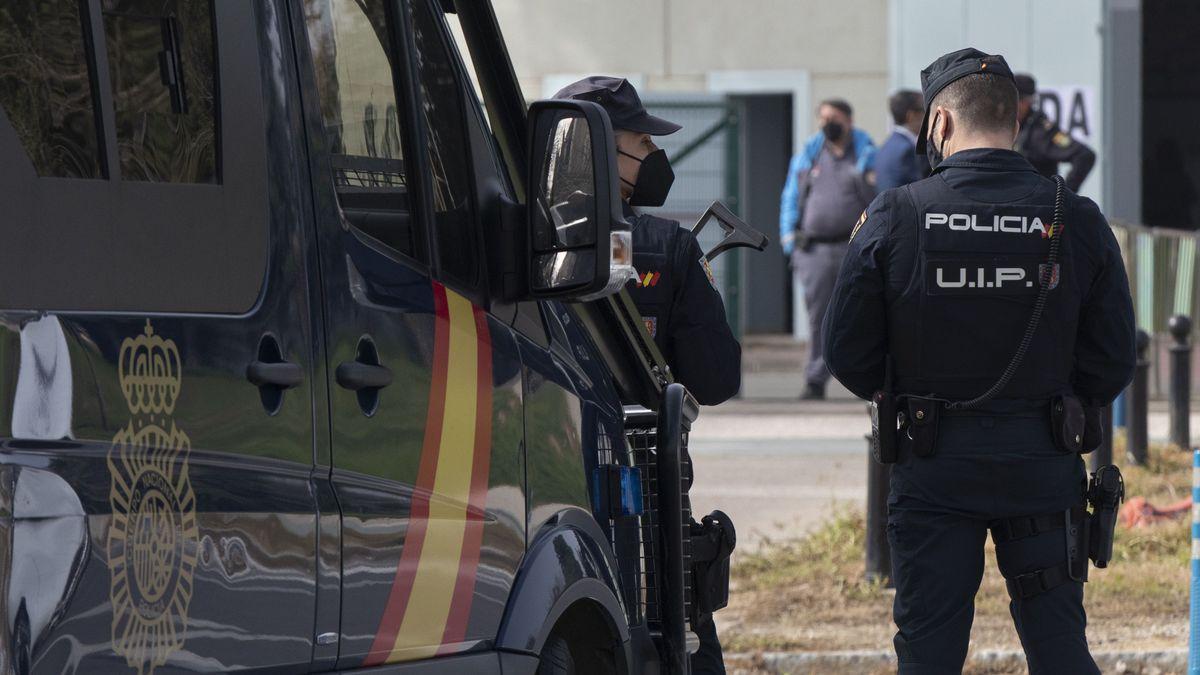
x: 1180, y: 391
x: 1137, y: 405
x: 1193, y: 645
x: 879, y: 555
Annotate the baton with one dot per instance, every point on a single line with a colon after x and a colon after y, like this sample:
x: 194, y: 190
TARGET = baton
x: 738, y: 232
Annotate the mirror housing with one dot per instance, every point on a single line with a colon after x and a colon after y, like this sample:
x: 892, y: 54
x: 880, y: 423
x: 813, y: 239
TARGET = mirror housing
x: 579, y: 245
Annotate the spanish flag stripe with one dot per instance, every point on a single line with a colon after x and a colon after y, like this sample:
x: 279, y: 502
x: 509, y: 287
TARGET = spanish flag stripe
x: 464, y: 590
x: 436, y: 576
x: 418, y: 517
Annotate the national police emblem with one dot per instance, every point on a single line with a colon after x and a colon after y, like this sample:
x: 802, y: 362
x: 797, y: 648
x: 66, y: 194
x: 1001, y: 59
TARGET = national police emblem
x: 708, y: 272
x: 153, y: 541
x: 1045, y: 272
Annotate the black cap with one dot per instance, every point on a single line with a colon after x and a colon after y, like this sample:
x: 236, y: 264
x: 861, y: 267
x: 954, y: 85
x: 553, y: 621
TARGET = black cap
x: 950, y: 67
x: 622, y: 103
x: 1026, y: 85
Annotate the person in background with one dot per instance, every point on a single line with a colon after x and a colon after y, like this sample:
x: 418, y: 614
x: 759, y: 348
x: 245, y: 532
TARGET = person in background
x: 828, y: 185
x: 1043, y: 144
x: 897, y: 163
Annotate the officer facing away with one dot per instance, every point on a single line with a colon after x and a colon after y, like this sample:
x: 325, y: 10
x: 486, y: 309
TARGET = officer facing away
x: 1044, y: 144
x: 934, y: 296
x: 674, y: 289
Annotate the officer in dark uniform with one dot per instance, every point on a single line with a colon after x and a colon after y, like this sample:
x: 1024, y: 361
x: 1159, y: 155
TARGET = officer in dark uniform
x: 935, y: 295
x: 674, y: 289
x: 1044, y: 144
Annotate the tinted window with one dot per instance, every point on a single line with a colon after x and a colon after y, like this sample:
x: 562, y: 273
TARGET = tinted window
x: 449, y: 158
x: 162, y: 66
x: 352, y: 56
x: 45, y: 86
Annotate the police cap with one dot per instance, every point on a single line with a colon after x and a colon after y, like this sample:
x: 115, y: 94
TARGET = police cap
x: 1026, y: 85
x: 950, y: 67
x: 622, y: 103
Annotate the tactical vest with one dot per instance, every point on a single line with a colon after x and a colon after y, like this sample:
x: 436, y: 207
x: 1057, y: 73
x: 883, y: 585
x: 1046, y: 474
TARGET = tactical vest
x: 962, y: 284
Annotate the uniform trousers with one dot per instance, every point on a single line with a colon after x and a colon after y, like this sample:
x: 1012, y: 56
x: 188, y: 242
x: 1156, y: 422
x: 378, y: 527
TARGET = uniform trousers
x: 985, y: 467
x: 817, y: 270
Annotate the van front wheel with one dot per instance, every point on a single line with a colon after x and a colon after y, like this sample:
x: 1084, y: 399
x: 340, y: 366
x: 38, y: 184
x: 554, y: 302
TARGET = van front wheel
x: 556, y: 658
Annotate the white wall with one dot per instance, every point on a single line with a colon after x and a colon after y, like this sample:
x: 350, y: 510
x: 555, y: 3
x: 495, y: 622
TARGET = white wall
x: 833, y: 48
x: 1058, y: 41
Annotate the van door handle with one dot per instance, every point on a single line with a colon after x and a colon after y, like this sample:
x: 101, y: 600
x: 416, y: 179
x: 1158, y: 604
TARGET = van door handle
x: 279, y: 374
x: 355, y: 375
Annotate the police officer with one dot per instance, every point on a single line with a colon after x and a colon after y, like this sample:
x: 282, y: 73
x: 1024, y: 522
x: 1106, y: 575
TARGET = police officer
x: 935, y: 295
x: 674, y: 290
x: 1044, y: 144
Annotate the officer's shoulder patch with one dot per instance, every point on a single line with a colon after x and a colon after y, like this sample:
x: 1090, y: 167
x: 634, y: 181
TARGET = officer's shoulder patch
x: 708, y: 271
x: 858, y: 226
x: 1062, y: 140
x: 651, y: 325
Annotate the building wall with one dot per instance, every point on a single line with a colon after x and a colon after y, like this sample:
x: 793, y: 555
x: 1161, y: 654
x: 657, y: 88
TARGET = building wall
x: 677, y: 45
x: 1060, y: 42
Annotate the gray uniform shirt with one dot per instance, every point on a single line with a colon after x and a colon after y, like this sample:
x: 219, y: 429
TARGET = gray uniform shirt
x: 837, y: 195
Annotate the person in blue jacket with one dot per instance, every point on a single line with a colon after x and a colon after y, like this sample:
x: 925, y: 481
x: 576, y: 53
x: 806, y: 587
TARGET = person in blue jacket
x: 828, y: 185
x: 935, y: 297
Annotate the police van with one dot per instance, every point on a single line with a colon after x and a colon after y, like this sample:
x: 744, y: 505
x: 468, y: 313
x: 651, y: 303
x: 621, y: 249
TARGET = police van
x: 313, y: 353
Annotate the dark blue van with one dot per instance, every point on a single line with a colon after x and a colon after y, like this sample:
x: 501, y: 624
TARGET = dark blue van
x: 314, y: 356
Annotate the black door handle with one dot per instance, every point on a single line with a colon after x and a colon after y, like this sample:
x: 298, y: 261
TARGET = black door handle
x: 355, y: 376
x: 281, y: 374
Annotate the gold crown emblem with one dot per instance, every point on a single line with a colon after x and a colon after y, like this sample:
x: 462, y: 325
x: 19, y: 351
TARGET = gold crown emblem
x: 151, y: 373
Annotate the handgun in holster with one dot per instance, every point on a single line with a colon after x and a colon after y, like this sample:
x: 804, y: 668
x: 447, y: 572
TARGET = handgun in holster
x: 1105, y: 493
x: 713, y: 541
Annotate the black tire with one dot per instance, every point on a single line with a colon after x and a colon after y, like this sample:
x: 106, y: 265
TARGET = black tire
x: 556, y: 657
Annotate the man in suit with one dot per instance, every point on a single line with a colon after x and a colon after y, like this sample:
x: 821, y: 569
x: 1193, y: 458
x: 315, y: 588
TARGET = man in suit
x: 897, y: 163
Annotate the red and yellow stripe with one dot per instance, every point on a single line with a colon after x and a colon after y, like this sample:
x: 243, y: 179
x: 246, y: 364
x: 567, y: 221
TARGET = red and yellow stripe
x: 435, y: 578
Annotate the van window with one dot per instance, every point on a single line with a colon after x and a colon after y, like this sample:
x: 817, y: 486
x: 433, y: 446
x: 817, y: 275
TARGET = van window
x: 45, y: 86
x: 449, y: 154
x: 162, y: 67
x: 352, y: 54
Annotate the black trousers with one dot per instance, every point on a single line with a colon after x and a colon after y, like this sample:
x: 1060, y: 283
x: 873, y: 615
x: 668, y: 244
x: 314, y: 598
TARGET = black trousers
x: 985, y: 468
x: 708, y: 660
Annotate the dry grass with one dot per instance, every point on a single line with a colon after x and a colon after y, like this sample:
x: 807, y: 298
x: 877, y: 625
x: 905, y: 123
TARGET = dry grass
x: 809, y: 594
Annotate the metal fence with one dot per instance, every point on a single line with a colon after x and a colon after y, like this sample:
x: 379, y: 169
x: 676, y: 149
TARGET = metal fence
x: 705, y: 158
x: 1161, y: 263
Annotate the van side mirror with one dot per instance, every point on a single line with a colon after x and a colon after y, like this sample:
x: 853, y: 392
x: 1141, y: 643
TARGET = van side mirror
x: 579, y: 245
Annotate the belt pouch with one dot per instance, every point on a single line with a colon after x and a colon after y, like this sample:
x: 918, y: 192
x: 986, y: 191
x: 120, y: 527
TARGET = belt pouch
x: 713, y: 540
x: 884, y: 437
x: 1068, y: 422
x: 923, y: 415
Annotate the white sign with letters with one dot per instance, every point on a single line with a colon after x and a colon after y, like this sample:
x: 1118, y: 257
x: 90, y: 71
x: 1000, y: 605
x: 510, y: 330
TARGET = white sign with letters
x: 1073, y: 109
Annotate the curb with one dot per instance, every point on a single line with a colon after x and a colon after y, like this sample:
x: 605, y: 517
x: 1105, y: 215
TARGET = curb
x: 796, y: 663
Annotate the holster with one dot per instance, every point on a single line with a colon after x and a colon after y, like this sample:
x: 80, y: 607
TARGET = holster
x: 922, y: 422
x: 713, y: 541
x: 1105, y: 493
x: 885, y: 437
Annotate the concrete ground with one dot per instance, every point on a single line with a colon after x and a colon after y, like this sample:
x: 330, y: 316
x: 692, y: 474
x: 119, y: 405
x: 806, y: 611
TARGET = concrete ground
x: 779, y: 466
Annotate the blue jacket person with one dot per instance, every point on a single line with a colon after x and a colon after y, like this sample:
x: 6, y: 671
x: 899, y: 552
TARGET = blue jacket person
x: 674, y: 289
x: 939, y: 280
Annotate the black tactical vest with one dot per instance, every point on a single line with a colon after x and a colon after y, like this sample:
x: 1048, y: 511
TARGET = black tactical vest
x: 965, y: 274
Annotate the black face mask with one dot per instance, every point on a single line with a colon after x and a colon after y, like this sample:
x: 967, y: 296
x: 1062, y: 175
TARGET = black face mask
x: 833, y: 131
x: 653, y: 181
x: 934, y: 153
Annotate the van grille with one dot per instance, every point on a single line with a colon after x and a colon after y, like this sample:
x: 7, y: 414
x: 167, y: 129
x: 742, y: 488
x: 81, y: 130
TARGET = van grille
x: 641, y: 580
